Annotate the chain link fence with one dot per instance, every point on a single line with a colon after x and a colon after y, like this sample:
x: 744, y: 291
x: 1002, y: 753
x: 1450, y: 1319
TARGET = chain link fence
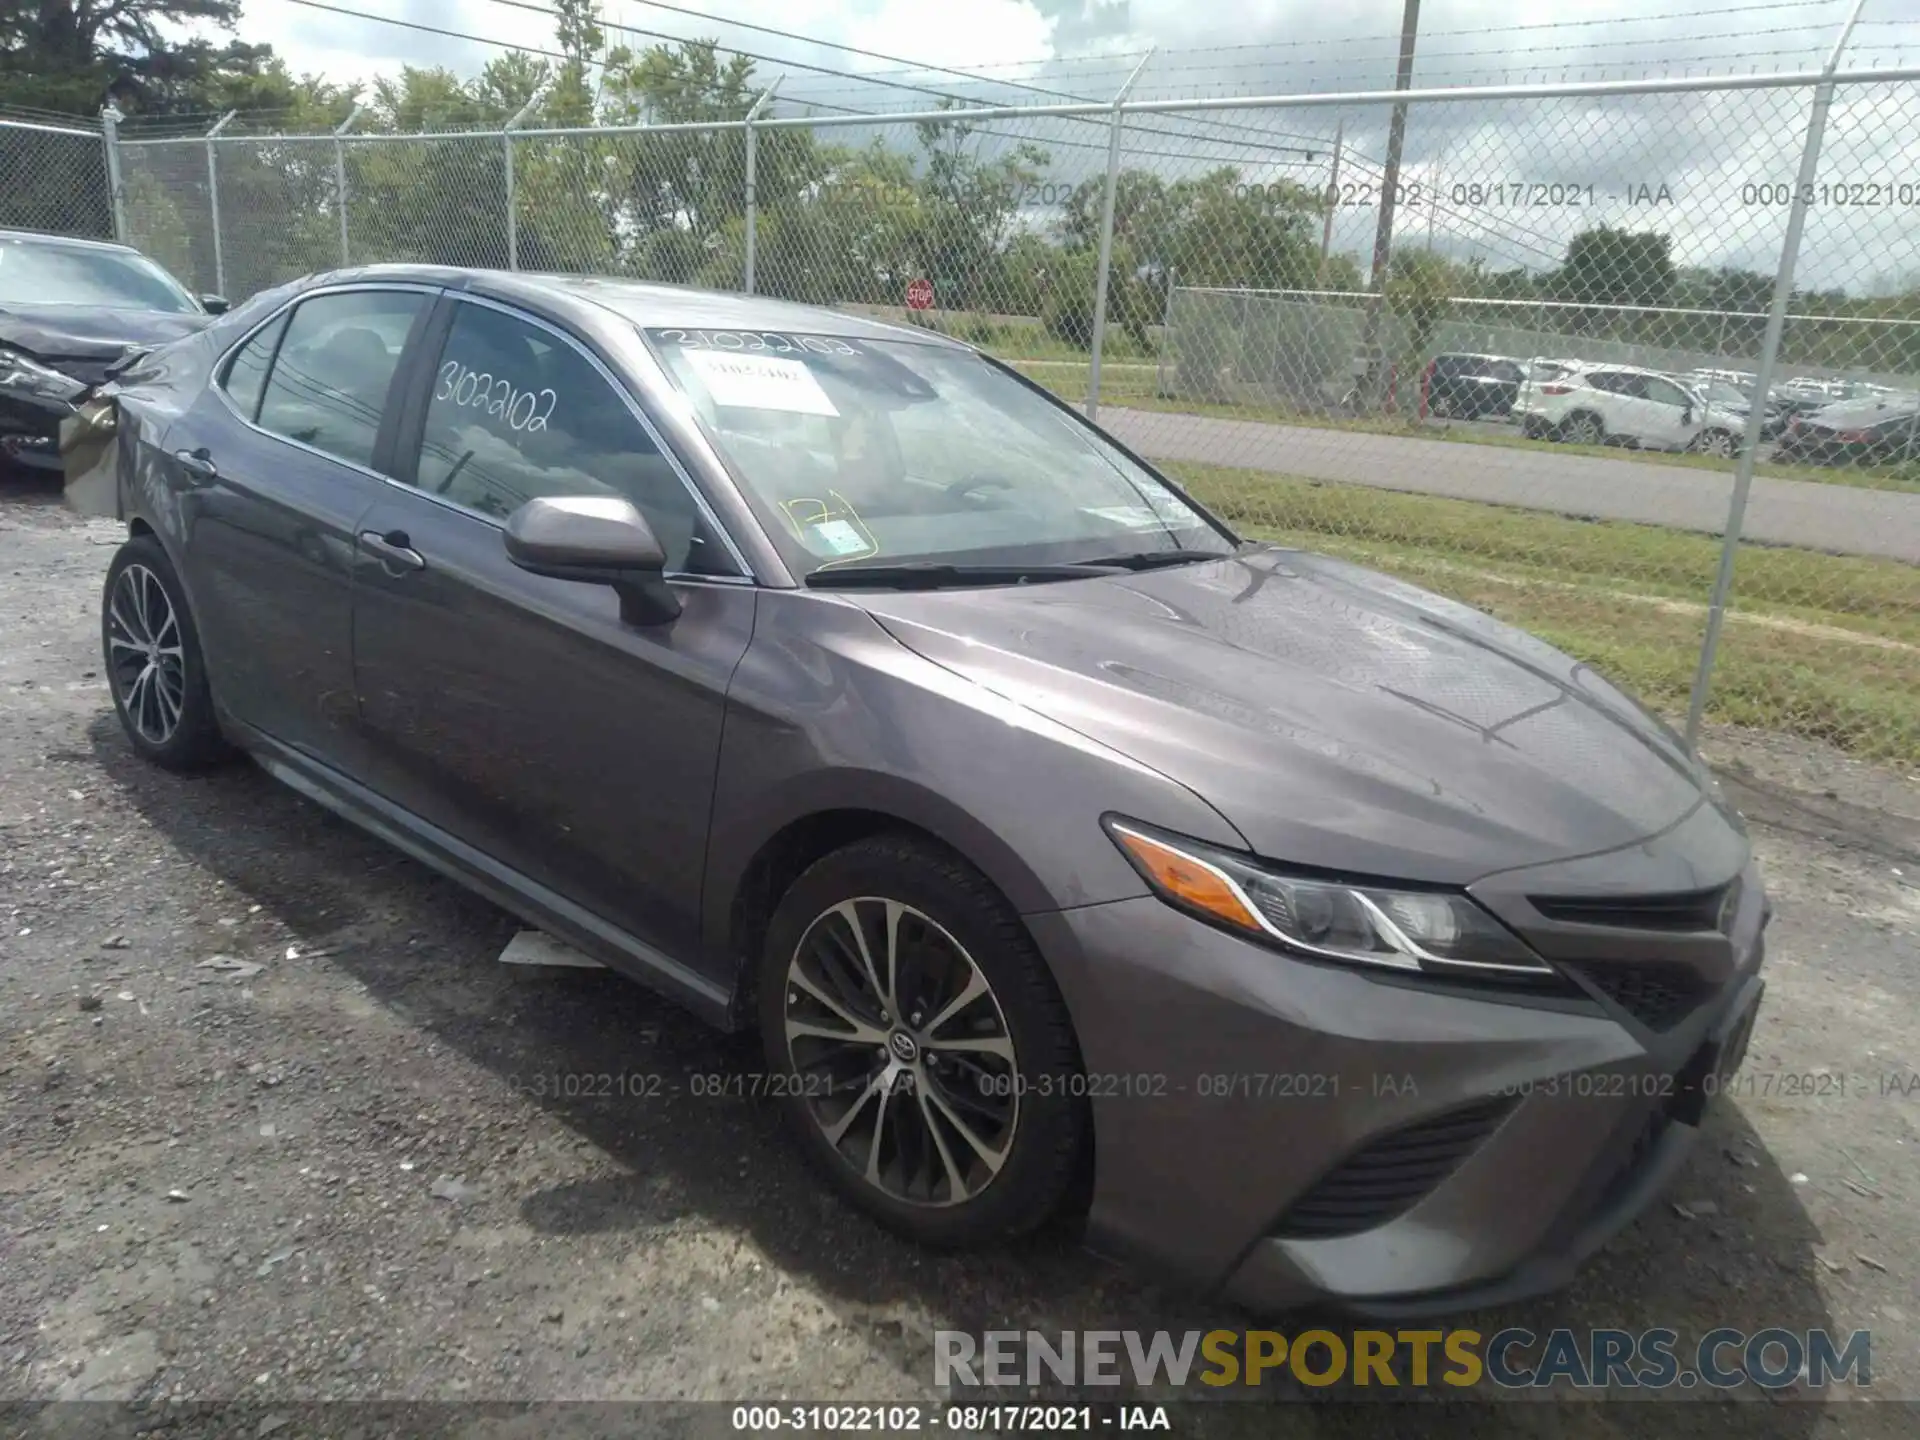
x: 1544, y: 388
x: 53, y: 179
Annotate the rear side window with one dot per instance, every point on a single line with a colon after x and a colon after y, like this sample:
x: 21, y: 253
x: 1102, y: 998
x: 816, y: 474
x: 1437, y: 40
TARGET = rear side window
x: 246, y: 374
x: 329, y: 382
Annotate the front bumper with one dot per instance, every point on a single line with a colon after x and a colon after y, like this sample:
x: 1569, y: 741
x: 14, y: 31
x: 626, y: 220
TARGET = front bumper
x: 30, y: 430
x: 1234, y: 1089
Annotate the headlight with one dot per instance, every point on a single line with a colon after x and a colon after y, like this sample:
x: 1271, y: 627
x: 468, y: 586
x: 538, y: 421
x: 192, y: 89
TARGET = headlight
x: 1437, y: 931
x: 21, y: 373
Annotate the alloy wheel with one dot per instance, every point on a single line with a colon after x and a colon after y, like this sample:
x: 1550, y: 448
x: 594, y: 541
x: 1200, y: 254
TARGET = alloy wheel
x: 901, y: 1052
x: 1585, y: 430
x: 1717, y: 443
x: 147, y: 664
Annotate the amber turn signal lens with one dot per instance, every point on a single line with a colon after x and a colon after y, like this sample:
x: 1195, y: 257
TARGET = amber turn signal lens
x: 1191, y: 882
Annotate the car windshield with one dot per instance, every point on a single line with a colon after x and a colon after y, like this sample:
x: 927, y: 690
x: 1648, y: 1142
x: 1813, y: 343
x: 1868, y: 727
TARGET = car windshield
x: 1719, y: 392
x: 881, y: 452
x: 35, y: 273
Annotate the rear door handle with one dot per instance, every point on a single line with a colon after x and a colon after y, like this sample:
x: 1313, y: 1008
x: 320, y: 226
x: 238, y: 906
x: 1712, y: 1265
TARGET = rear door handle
x: 197, y: 463
x: 394, y: 549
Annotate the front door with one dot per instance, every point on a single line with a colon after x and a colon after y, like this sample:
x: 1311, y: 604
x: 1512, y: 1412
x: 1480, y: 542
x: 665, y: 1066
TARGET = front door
x: 518, y: 712
x: 1673, y: 418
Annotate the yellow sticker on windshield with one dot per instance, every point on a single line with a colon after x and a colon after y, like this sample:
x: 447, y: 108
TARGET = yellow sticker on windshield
x: 831, y: 527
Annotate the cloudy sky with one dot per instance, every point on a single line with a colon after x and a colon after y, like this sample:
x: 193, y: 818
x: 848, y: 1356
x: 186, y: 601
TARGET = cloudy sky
x: 1298, y: 42
x: 1683, y: 164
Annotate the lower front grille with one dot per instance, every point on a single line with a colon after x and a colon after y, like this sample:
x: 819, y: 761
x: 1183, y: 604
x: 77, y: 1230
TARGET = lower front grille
x: 1658, y: 996
x: 1392, y: 1174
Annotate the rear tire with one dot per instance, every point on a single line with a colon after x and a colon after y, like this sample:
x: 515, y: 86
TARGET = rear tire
x: 925, y: 1063
x: 1584, y: 428
x: 155, y: 668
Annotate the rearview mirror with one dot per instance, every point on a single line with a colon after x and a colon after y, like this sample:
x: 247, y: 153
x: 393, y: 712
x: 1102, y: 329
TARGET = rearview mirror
x: 214, y: 304
x: 601, y: 540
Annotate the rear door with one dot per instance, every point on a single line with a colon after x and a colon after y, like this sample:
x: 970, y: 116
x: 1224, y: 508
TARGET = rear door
x: 272, y: 466
x: 519, y: 713
x: 1620, y: 401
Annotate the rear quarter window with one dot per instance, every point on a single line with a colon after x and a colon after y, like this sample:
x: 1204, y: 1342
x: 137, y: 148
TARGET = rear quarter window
x: 245, y: 378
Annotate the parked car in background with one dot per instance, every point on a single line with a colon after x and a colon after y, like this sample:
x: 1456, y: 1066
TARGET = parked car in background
x: 1470, y: 387
x: 70, y: 312
x: 1884, y: 430
x: 829, y: 678
x: 1626, y: 405
x: 1806, y: 394
x: 1734, y: 400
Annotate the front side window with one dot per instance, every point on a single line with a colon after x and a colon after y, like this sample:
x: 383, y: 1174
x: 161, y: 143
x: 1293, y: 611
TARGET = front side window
x: 518, y: 413
x: 329, y: 383
x: 882, y: 452
x: 36, y: 272
x: 1666, y: 392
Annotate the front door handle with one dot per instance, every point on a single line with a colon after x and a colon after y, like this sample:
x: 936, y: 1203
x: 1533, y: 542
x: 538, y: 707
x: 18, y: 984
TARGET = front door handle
x: 395, y: 550
x: 197, y: 463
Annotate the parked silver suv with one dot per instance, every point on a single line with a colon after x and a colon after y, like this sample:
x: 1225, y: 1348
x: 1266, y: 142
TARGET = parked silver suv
x: 1601, y: 404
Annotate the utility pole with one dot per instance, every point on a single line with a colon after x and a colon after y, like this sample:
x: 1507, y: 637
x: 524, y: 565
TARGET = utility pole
x: 1374, y: 376
x: 1333, y: 202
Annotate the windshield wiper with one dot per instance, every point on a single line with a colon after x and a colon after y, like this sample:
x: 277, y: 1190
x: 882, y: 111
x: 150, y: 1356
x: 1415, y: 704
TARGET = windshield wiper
x: 937, y: 575
x: 1155, y: 559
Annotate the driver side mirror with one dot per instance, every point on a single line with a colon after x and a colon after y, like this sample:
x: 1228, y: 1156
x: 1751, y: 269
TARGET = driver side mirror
x: 600, y: 540
x: 214, y: 304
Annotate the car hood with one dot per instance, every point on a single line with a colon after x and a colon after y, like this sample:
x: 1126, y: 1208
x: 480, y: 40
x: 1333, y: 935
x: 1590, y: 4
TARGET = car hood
x: 86, y: 337
x: 1335, y: 716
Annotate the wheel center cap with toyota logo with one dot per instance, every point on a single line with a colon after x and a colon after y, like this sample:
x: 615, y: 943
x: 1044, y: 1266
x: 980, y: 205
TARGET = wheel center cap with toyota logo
x: 904, y: 1047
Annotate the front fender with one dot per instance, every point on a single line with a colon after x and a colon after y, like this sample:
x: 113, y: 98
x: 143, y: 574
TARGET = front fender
x: 829, y: 712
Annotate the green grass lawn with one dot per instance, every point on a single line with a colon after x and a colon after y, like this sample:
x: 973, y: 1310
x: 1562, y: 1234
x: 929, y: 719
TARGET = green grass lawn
x: 1133, y: 383
x: 1821, y: 646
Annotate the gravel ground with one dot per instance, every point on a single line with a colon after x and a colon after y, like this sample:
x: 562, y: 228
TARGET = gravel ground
x: 338, y: 1177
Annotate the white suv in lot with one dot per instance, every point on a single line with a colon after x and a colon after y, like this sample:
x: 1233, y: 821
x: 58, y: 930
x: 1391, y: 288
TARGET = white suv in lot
x: 1598, y: 404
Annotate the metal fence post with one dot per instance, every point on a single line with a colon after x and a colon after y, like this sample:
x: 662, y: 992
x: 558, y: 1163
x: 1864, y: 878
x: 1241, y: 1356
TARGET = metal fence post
x: 506, y: 142
x: 116, y: 192
x: 752, y: 196
x: 213, y: 204
x: 1763, y: 374
x: 1092, y: 406
x: 340, y: 174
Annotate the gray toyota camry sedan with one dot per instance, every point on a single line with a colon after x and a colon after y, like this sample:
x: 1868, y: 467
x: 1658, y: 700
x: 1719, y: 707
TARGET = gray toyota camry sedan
x: 1317, y: 938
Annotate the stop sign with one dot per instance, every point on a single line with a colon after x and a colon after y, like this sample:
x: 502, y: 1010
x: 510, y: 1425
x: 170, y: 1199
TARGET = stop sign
x: 920, y: 295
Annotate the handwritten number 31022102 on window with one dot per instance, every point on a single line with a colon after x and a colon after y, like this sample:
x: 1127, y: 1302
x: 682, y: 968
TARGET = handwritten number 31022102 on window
x: 496, y: 395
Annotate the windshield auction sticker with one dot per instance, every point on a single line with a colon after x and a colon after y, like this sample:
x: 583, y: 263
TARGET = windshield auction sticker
x: 760, y: 382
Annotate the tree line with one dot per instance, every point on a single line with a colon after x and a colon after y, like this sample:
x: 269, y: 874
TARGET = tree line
x: 844, y: 215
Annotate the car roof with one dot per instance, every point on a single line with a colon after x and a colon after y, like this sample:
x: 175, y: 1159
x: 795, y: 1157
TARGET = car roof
x: 68, y: 242
x: 648, y: 304
x: 1623, y: 367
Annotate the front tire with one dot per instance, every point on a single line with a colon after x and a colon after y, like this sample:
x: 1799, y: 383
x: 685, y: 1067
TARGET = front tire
x: 155, y: 668
x: 921, y: 1053
x: 1718, y: 443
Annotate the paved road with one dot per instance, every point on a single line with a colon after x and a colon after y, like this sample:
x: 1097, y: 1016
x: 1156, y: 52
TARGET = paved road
x: 1838, y: 518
